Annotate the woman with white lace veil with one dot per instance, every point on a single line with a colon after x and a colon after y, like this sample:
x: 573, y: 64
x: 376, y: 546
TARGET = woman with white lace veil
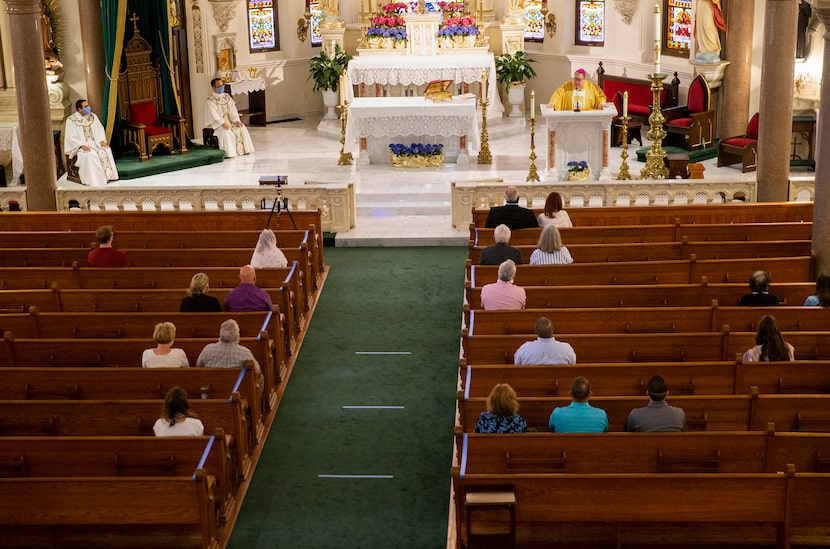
x: 267, y: 254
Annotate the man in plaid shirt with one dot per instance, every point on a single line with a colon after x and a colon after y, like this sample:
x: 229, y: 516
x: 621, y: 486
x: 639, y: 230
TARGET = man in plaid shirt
x: 227, y: 352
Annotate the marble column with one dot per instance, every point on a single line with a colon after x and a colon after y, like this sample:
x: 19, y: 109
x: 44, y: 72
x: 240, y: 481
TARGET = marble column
x: 777, y: 74
x: 36, y: 142
x: 92, y: 40
x: 735, y: 91
x: 821, y: 200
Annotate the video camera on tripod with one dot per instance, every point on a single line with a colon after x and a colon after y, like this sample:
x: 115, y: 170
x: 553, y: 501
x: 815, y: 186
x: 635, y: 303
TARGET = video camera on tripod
x: 280, y: 203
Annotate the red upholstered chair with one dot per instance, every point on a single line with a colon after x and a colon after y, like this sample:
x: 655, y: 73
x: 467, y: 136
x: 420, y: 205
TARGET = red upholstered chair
x: 144, y: 124
x: 692, y: 126
x: 741, y: 148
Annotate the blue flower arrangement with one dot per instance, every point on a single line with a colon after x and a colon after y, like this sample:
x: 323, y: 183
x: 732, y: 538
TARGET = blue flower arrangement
x: 574, y: 166
x: 384, y: 32
x: 416, y: 149
x: 458, y: 30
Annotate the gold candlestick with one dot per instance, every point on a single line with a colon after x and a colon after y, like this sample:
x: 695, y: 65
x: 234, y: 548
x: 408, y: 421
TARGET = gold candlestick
x: 624, y: 174
x: 532, y: 174
x: 656, y: 157
x: 484, y: 156
x: 345, y: 157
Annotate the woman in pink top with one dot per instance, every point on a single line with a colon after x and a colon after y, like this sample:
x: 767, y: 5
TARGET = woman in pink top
x: 554, y: 214
x: 769, y: 345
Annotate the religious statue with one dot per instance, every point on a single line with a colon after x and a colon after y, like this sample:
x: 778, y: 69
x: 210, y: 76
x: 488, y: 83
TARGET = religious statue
x: 709, y: 22
x: 50, y: 57
x: 515, y: 13
x: 330, y: 17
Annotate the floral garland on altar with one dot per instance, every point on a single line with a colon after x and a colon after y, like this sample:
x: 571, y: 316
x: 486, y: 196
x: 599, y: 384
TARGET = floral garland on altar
x: 388, y: 29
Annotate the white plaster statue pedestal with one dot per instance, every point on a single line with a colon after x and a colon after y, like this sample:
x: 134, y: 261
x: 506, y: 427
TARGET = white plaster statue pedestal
x: 713, y: 72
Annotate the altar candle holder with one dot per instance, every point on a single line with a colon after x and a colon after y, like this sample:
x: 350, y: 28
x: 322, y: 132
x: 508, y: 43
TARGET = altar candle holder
x: 484, y: 156
x: 345, y: 157
x: 532, y: 174
x: 624, y: 173
x: 655, y: 167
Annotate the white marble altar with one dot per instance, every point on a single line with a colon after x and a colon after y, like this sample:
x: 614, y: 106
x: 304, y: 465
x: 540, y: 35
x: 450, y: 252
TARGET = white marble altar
x: 576, y: 136
x: 375, y: 122
x: 413, y: 70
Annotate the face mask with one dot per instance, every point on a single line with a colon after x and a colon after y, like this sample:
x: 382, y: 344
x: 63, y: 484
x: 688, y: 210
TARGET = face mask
x: 220, y: 89
x: 86, y: 111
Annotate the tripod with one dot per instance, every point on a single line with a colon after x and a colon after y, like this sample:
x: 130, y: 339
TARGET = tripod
x: 280, y: 204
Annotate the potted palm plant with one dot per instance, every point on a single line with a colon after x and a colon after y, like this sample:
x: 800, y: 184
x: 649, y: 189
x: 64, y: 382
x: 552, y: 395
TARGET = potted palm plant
x: 513, y: 70
x: 326, y: 70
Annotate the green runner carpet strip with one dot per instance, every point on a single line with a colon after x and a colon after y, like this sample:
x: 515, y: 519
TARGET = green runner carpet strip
x: 129, y: 167
x: 360, y: 451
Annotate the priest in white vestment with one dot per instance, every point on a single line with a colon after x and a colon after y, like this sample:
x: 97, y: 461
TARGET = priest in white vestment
x: 222, y: 116
x: 85, y: 140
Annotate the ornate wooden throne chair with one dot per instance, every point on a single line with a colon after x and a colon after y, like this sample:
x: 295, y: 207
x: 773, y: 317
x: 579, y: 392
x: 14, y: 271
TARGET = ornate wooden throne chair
x: 144, y: 124
x: 693, y: 125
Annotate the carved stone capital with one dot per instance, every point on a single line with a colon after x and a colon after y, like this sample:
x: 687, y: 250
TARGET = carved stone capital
x: 223, y: 12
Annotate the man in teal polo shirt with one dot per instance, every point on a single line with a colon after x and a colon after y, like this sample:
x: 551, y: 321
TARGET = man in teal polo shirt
x: 579, y: 416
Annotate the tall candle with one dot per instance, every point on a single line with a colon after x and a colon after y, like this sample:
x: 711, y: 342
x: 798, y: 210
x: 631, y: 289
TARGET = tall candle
x: 625, y: 104
x: 532, y: 104
x: 657, y: 41
x: 342, y: 87
x: 484, y: 85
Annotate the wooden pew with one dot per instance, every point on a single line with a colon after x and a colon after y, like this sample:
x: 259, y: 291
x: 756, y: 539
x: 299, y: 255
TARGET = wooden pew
x: 163, y: 239
x: 61, y: 418
x: 754, y: 412
x: 666, y: 251
x: 124, y: 352
x: 631, y: 379
x: 140, y: 300
x: 703, y: 412
x: 161, y: 221
x: 614, y: 508
x: 136, y: 384
x: 480, y: 236
x: 793, y: 269
x: 114, y: 456
x: 93, y: 511
x: 653, y: 347
x: 624, y: 379
x: 643, y: 319
x: 657, y: 347
x: 784, y: 377
x: 755, y: 212
x: 644, y: 295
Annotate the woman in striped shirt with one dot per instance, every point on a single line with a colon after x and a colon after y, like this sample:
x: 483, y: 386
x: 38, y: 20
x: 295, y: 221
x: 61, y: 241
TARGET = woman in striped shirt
x: 549, y: 250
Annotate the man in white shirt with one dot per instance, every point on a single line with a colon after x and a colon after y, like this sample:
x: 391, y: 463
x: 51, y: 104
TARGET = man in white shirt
x: 85, y: 140
x: 222, y: 116
x: 545, y: 349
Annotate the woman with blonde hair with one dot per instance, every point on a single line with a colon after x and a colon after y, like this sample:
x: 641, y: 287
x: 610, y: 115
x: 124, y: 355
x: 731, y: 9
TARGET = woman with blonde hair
x: 198, y: 300
x: 769, y: 345
x: 502, y: 414
x: 164, y: 355
x: 549, y: 250
x: 822, y: 296
x: 554, y: 214
x: 267, y: 254
x: 178, y: 420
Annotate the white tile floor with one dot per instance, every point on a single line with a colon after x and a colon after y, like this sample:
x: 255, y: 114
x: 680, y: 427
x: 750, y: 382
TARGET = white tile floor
x: 395, y: 206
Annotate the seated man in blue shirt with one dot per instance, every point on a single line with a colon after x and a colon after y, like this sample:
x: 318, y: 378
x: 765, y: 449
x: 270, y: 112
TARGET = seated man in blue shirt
x: 579, y: 417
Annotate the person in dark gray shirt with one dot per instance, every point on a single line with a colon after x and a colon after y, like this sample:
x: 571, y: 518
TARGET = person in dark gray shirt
x: 658, y: 415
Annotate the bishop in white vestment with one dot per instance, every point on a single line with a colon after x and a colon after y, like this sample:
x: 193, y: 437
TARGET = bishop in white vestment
x: 222, y: 116
x: 85, y: 140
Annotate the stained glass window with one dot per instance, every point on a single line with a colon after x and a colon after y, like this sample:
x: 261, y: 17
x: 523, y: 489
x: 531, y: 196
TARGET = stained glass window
x: 314, y: 26
x: 678, y: 27
x: 263, y: 29
x: 590, y: 23
x: 535, y: 27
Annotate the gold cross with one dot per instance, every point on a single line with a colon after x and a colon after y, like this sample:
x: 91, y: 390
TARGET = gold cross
x: 134, y: 19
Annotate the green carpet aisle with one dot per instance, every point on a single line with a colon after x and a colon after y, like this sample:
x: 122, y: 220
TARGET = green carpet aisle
x: 305, y: 492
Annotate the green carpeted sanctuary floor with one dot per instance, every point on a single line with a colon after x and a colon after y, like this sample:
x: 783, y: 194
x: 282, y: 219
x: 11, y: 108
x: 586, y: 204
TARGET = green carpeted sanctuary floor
x: 377, y: 475
x: 711, y: 151
x: 130, y: 167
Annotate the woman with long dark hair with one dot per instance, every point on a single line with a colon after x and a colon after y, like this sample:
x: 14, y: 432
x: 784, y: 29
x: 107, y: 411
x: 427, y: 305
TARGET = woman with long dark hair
x: 178, y: 420
x: 769, y: 345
